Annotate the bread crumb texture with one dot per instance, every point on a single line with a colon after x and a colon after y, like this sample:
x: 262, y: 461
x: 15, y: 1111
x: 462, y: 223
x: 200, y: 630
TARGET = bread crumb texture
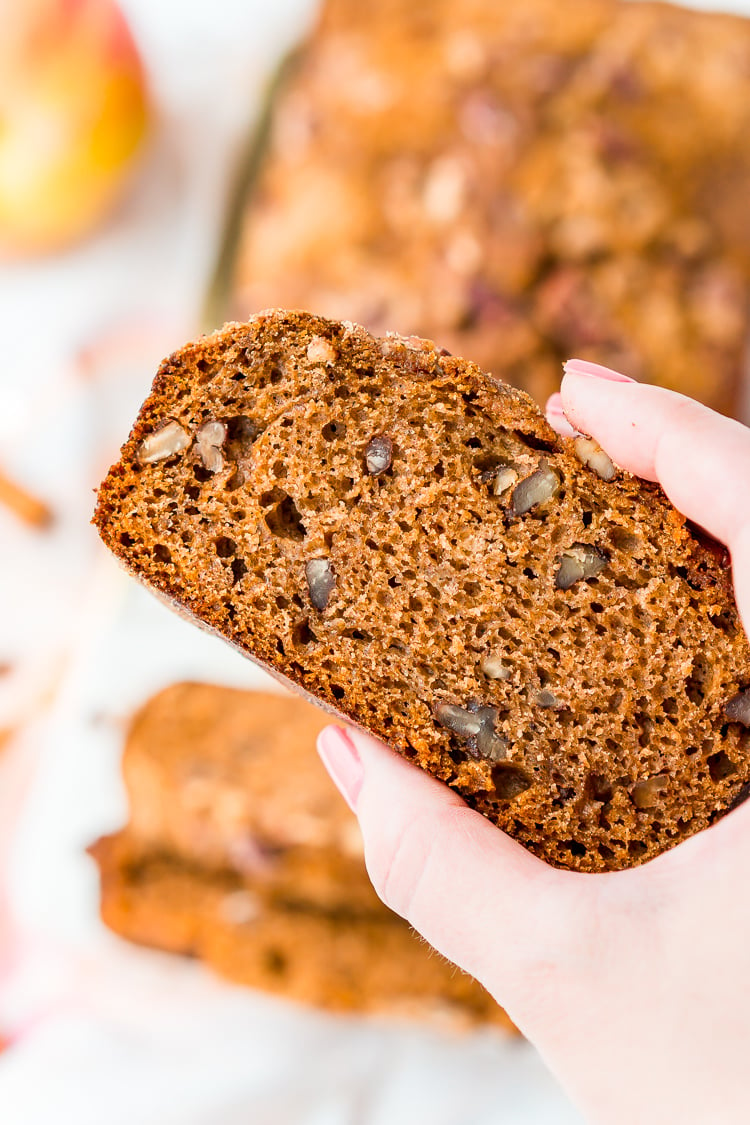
x: 404, y: 538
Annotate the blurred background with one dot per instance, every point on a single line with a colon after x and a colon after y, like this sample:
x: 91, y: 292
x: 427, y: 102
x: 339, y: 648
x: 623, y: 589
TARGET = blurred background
x: 158, y: 174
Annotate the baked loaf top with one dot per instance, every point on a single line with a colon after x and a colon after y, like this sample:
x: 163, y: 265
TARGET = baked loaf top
x: 405, y: 538
x: 521, y: 181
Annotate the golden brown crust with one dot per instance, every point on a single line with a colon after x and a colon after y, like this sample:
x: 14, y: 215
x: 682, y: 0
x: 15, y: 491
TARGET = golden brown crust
x: 523, y: 182
x: 603, y: 740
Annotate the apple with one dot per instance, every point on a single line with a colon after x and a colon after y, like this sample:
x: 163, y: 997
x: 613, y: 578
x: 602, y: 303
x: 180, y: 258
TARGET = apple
x: 74, y: 112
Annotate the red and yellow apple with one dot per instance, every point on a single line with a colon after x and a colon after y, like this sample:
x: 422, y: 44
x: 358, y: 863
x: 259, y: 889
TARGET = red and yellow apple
x: 73, y: 115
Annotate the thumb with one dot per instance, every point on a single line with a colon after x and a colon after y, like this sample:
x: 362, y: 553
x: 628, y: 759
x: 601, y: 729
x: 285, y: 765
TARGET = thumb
x: 477, y: 896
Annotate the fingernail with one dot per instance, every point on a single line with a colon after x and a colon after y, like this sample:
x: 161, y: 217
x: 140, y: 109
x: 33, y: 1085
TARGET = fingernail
x: 595, y: 370
x: 343, y: 763
x: 556, y: 416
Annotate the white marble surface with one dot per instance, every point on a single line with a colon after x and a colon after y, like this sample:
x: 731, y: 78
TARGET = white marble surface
x: 106, y: 1033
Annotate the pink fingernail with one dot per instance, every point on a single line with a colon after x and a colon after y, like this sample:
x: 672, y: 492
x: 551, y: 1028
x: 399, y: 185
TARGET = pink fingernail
x: 595, y: 370
x: 343, y: 763
x: 556, y: 416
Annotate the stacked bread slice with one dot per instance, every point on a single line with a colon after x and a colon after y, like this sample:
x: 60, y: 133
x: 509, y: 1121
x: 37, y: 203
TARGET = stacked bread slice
x: 239, y: 851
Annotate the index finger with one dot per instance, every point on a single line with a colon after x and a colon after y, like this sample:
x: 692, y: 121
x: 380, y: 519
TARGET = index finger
x: 700, y: 458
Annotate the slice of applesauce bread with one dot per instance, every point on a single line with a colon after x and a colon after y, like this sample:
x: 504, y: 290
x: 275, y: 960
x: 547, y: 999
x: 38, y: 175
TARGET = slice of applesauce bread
x: 403, y: 537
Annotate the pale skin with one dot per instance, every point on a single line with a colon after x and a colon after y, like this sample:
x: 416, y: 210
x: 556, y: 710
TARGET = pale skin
x: 633, y: 985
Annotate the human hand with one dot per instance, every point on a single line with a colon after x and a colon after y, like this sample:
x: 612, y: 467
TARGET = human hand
x: 633, y: 985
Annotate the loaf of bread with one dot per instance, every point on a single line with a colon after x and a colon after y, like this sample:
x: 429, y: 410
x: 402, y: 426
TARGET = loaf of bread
x: 405, y: 539
x: 521, y: 181
x: 240, y: 851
